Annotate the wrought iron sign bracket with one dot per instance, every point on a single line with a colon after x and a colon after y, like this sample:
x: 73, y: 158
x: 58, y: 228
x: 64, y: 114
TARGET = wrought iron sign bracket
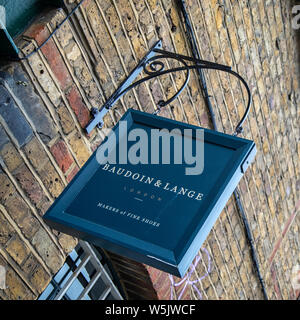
x: 120, y: 91
x: 153, y: 66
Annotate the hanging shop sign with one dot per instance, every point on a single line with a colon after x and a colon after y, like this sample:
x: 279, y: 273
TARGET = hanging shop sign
x: 153, y: 190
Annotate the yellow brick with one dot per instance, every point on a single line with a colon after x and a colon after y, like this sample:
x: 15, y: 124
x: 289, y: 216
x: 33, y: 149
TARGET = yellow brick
x: 139, y: 49
x: 79, y: 148
x: 67, y: 242
x: 6, y: 230
x: 271, y: 205
x: 35, y: 153
x: 248, y: 24
x: 11, y: 156
x: 51, y: 179
x: 66, y: 120
x: 17, y: 290
x: 235, y: 46
x: 219, y: 18
x: 153, y: 4
x: 47, y: 250
x: 228, y: 56
x: 261, y: 87
x: 40, y: 279
x: 17, y: 249
x: 7, y: 189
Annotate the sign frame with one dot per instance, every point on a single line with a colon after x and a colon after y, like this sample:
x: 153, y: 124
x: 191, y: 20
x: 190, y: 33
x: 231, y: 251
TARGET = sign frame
x: 152, y: 254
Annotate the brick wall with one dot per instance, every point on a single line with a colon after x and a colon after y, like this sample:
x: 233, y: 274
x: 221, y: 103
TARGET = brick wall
x: 45, y: 103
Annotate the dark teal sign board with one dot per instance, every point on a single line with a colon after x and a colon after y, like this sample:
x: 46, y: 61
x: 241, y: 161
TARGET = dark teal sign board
x: 152, y: 213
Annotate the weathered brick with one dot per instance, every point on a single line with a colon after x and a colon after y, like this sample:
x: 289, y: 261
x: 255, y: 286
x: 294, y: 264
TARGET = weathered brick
x: 39, y: 32
x: 28, y: 183
x: 83, y: 74
x: 234, y: 41
x: 13, y: 118
x: 73, y: 52
x: 17, y: 290
x: 6, y: 230
x: 51, y: 179
x: 72, y: 174
x: 43, y: 206
x: 7, y: 190
x: 76, y: 103
x: 154, y: 4
x: 10, y: 156
x: 17, y: 80
x: 17, y: 249
x: 67, y: 242
x: 40, y: 278
x: 79, y: 148
x: 3, y: 137
x: 30, y: 264
x: 62, y: 155
x: 45, y: 80
x: 22, y: 215
x: 47, y: 249
x: 64, y: 34
x: 35, y: 153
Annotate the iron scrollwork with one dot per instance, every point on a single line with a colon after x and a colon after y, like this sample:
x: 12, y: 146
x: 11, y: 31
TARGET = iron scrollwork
x: 153, y: 66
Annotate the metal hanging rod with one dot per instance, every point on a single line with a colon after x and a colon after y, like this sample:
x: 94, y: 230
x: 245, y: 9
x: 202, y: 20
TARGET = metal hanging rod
x: 153, y: 66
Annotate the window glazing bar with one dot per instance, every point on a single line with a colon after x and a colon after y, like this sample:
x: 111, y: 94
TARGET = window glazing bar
x: 69, y: 282
x: 88, y: 288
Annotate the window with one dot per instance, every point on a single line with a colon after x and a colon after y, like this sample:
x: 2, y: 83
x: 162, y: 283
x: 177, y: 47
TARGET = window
x: 85, y: 275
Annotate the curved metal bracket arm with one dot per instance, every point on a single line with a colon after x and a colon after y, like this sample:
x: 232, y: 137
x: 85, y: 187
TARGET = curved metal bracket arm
x: 152, y: 65
x: 99, y: 114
